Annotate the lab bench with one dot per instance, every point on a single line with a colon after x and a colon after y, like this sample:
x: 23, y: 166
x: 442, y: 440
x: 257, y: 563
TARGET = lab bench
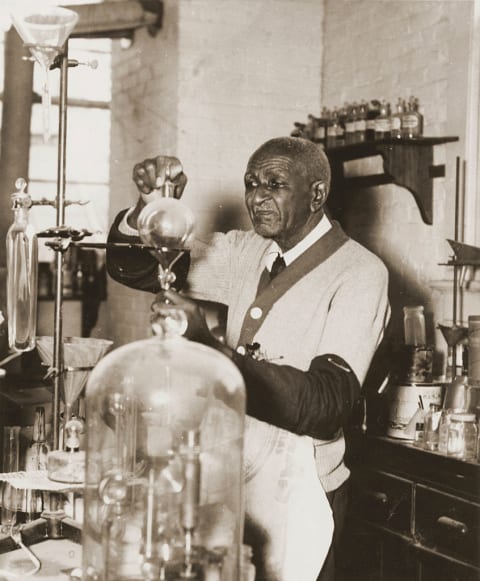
x: 413, y: 514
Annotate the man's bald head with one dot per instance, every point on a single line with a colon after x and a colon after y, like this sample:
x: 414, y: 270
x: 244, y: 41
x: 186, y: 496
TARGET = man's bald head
x: 308, y: 157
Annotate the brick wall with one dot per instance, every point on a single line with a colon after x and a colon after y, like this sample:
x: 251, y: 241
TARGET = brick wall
x: 220, y: 78
x: 386, y: 49
x: 223, y: 76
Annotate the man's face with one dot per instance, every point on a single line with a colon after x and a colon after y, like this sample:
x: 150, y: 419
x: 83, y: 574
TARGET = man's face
x: 278, y: 199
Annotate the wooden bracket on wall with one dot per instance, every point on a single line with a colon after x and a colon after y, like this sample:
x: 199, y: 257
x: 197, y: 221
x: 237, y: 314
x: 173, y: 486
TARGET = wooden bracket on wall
x: 406, y: 162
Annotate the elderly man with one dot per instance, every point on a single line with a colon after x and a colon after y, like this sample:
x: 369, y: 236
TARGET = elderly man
x: 313, y: 304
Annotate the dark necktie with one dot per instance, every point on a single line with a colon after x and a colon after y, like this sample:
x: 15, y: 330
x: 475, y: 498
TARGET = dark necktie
x: 277, y: 266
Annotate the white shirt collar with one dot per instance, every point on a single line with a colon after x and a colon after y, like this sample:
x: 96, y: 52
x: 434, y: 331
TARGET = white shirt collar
x: 320, y: 229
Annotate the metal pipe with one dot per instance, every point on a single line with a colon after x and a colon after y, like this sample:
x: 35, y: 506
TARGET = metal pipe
x: 58, y: 362
x: 455, y: 267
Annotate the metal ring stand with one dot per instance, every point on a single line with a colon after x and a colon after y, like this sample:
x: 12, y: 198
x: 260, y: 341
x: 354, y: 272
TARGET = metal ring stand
x: 53, y: 523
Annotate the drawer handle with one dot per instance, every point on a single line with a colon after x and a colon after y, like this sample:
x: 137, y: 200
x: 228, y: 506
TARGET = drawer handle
x: 454, y: 525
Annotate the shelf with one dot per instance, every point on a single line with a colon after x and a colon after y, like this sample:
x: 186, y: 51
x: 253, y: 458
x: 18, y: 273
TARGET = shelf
x: 406, y: 162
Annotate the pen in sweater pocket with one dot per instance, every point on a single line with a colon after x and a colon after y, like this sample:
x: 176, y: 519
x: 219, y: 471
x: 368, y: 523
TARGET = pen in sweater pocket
x: 347, y: 369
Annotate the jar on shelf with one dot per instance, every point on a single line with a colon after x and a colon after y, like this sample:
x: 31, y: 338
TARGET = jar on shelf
x: 462, y: 438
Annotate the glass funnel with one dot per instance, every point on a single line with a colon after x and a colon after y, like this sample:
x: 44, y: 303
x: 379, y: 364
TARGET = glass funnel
x: 44, y: 30
x: 80, y: 355
x: 453, y: 334
x: 164, y: 477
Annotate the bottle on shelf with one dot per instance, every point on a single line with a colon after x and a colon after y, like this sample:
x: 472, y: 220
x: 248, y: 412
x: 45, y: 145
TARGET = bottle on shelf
x: 318, y: 131
x: 321, y: 128
x: 299, y: 129
x: 382, y: 122
x: 332, y: 124
x: 361, y: 122
x: 412, y: 120
x: 396, y: 120
x: 350, y: 118
x: 373, y: 111
x: 341, y: 116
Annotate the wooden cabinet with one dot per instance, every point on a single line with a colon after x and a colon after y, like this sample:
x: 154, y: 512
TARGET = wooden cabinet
x: 414, y: 515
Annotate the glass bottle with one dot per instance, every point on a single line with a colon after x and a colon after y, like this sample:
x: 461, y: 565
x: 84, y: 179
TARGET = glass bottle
x: 36, y: 454
x: 68, y: 465
x: 412, y: 120
x: 10, y: 463
x: 332, y: 123
x: 462, y: 436
x: 396, y: 120
x: 22, y: 273
x: 342, y: 116
x: 432, y: 421
x: 444, y: 424
x: 419, y: 435
x: 382, y: 122
x: 36, y: 459
x: 351, y: 116
x: 361, y: 122
x: 414, y: 325
x: 320, y: 135
x: 373, y: 111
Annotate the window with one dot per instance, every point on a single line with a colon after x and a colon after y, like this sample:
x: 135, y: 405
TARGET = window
x: 88, y: 143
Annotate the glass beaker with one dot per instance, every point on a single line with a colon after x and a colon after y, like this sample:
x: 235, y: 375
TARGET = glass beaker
x: 10, y: 461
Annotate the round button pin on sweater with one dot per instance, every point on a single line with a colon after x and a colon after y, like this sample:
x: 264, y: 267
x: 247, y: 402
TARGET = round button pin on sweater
x: 256, y: 312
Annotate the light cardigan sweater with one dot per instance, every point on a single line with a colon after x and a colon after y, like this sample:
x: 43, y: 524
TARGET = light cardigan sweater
x: 331, y: 299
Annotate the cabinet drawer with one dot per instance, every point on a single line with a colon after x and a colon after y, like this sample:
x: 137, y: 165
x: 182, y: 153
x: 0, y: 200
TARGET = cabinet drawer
x: 447, y: 524
x: 382, y: 499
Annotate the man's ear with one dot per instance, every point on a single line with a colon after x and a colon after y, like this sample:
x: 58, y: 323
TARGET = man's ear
x: 319, y: 195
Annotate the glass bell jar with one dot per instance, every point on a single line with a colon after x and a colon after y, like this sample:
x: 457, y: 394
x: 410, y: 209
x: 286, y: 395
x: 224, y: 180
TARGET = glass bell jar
x: 164, y: 463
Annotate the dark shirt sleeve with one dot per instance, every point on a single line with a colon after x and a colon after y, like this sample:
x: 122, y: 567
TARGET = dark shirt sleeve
x: 136, y: 267
x: 316, y: 402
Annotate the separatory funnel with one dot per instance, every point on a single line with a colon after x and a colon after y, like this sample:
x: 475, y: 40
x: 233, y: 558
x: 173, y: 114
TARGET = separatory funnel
x: 166, y: 225
x: 44, y: 30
